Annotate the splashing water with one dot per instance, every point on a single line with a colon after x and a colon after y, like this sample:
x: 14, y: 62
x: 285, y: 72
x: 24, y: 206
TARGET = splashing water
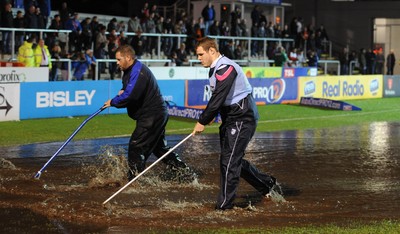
x: 110, y: 167
x: 5, y: 164
x: 180, y: 175
x: 276, y: 194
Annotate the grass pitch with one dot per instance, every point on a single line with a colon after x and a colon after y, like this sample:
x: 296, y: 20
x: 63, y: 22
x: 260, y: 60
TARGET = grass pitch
x: 272, y: 118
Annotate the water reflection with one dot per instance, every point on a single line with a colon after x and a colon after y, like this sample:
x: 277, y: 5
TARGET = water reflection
x: 334, y: 173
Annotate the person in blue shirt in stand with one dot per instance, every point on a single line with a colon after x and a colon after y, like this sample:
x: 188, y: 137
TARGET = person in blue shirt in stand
x: 208, y: 14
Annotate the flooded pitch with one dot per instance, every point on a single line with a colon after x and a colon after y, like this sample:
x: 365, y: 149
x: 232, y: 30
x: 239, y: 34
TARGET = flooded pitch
x: 339, y: 176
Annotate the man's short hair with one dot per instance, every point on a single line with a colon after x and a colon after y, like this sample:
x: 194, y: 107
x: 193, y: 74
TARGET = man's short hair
x: 126, y: 50
x: 207, y: 43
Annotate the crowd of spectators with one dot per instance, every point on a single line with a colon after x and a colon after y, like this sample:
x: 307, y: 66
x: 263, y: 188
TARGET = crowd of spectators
x: 90, y: 40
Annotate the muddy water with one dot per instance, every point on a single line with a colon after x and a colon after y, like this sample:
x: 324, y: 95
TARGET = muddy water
x: 337, y: 175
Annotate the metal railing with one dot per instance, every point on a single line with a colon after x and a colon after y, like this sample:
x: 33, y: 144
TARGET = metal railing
x: 248, y: 41
x: 40, y: 31
x: 327, y: 62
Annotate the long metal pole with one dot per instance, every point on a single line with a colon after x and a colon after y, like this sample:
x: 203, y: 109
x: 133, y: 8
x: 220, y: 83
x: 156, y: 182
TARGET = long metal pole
x: 67, y: 141
x: 148, y: 168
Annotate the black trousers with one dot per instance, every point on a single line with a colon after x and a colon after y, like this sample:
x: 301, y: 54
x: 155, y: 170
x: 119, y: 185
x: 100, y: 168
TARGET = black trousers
x: 234, y: 138
x: 147, y: 138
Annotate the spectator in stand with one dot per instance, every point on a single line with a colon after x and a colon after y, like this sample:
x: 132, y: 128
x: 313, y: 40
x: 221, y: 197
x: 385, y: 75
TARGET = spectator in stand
x: 29, y: 3
x: 137, y: 45
x: 255, y: 15
x: 319, y: 44
x: 293, y: 58
x: 225, y: 31
x: 7, y: 21
x: 269, y: 30
x: 154, y: 10
x: 92, y: 61
x: 263, y: 18
x: 299, y: 36
x: 293, y: 29
x: 40, y: 18
x: 19, y: 35
x: 370, y: 57
x: 280, y: 57
x: 301, y: 59
x: 262, y: 33
x: 285, y: 34
x: 144, y: 16
x: 215, y: 29
x: 304, y: 37
x: 354, y: 59
x: 277, y: 31
x: 65, y: 73
x: 311, y: 42
x: 112, y: 25
x: 254, y: 43
x: 243, y: 28
x: 74, y: 25
x: 324, y: 34
x: 322, y: 38
x: 151, y: 40
x: 45, y: 9
x: 168, y: 28
x: 55, y: 56
x: 227, y: 50
x: 208, y: 14
x: 390, y: 62
x: 380, y: 61
x: 122, y: 39
x: 191, y: 36
x: 238, y: 52
x: 30, y: 18
x: 344, y: 59
x: 52, y: 37
x: 25, y: 52
x: 42, y: 55
x: 86, y: 35
x: 112, y: 48
x: 121, y: 26
x: 65, y: 13
x: 312, y: 58
x: 134, y: 24
x: 172, y: 60
x: 200, y: 27
x: 95, y: 28
x: 101, y: 48
x: 362, y: 59
x: 181, y: 55
x: 160, y: 30
x: 80, y: 65
x: 235, y: 15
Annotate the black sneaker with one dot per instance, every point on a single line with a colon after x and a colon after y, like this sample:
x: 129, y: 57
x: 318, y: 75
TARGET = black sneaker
x: 271, y: 185
x: 176, y: 162
x: 131, y: 174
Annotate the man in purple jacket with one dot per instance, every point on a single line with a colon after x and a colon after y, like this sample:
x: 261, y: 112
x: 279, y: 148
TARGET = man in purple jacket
x: 141, y: 96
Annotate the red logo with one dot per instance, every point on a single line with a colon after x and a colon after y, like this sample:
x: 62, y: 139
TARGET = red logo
x: 390, y: 83
x: 288, y: 72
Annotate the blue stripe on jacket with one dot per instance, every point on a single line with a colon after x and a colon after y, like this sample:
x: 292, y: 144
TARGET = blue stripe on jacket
x: 123, y: 98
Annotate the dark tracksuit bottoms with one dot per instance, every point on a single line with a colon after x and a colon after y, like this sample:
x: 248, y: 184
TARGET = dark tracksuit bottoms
x: 235, y: 136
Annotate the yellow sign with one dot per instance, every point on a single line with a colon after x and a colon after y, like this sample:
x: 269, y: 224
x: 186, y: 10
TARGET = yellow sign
x: 341, y: 87
x: 263, y: 72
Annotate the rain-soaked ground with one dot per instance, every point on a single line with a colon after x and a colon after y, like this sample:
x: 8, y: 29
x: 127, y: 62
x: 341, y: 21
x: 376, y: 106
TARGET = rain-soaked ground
x: 336, y: 176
